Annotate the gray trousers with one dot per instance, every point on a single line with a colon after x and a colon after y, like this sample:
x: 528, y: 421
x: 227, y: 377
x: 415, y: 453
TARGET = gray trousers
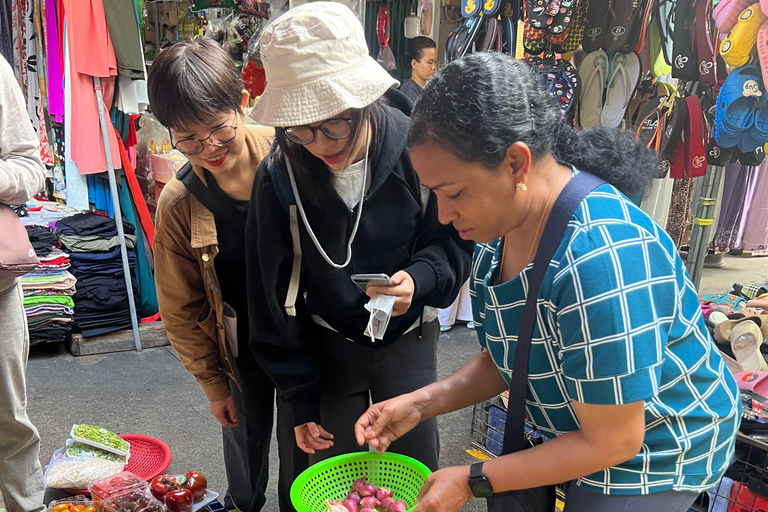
x: 582, y: 500
x: 246, y: 447
x: 21, y: 478
x: 354, y: 376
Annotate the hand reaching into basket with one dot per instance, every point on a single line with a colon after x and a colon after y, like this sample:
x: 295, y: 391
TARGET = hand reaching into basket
x: 385, y: 422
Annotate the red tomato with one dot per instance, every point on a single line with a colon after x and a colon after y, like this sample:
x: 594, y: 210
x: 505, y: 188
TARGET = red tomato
x: 179, y: 500
x: 197, y: 483
x: 160, y: 486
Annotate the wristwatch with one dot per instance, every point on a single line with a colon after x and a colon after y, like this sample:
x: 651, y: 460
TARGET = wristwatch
x: 480, y: 485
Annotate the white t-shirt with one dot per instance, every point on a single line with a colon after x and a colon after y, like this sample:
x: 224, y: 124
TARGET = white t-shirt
x: 349, y: 182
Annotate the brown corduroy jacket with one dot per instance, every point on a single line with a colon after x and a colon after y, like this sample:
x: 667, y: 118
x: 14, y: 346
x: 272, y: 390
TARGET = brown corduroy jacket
x: 188, y: 290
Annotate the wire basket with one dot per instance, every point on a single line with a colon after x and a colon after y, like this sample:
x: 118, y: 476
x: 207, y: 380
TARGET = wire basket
x: 744, y: 488
x: 487, y: 431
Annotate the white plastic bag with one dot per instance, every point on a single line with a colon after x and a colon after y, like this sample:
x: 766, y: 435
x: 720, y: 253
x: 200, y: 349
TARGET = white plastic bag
x: 65, y: 472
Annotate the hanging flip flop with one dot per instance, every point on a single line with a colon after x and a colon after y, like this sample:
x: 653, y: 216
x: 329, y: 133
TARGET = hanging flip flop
x: 593, y: 70
x: 659, y: 66
x: 576, y: 33
x: 646, y: 93
x: 705, y: 43
x: 530, y: 32
x: 641, y: 27
x: 491, y: 7
x: 596, y: 25
x: 671, y: 132
x: 489, y: 38
x: 685, y: 61
x: 536, y: 13
x: 692, y: 145
x: 509, y: 37
x: 737, y: 101
x: 626, y: 18
x: 736, y: 49
x: 470, y: 8
x: 561, y: 21
x: 621, y: 85
x: 753, y: 158
x: 665, y: 23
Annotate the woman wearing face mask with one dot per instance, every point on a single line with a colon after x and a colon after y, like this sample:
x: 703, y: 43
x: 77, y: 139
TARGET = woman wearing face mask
x: 338, y: 196
x: 622, y: 376
x: 196, y: 92
x: 422, y: 56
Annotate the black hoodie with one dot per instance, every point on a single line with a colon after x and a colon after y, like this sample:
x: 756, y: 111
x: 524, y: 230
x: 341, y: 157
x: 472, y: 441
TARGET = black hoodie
x: 393, y: 236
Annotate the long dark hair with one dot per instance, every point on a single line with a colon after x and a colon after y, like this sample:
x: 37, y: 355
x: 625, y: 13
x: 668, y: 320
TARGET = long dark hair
x: 479, y: 105
x: 312, y: 176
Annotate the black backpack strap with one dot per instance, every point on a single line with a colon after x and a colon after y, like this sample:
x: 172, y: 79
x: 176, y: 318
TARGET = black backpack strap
x: 570, y: 198
x: 203, y: 194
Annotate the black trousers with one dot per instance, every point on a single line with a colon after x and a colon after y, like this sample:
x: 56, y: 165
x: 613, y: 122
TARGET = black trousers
x: 354, y: 376
x: 246, y: 447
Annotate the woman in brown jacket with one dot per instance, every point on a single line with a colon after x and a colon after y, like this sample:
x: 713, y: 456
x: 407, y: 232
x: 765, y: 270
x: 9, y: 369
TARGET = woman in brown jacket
x: 196, y: 92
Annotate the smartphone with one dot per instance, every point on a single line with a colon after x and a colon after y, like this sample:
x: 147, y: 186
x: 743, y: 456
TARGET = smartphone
x: 363, y: 280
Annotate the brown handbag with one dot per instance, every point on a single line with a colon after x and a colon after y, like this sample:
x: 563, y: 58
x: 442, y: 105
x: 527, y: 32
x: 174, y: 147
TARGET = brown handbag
x: 17, y: 256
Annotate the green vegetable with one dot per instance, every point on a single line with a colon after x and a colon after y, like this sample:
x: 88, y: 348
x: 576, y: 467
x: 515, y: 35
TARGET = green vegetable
x: 101, y: 436
x: 83, y: 450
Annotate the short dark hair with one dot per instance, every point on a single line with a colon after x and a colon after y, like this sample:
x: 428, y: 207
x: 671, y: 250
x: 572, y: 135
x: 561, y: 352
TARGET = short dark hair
x: 479, y: 105
x: 414, y: 48
x: 193, y: 82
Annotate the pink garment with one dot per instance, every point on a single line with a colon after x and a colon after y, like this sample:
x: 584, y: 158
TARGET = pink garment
x: 91, y: 55
x: 55, y: 70
x: 756, y: 230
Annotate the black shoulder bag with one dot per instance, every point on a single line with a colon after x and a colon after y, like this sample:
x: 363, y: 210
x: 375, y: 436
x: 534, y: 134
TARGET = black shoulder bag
x: 537, y: 499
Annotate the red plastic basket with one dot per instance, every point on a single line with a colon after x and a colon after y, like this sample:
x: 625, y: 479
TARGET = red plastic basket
x: 150, y: 457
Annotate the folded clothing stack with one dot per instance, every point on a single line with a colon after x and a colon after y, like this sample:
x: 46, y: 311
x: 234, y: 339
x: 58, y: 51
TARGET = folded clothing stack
x: 49, y: 289
x: 101, y: 300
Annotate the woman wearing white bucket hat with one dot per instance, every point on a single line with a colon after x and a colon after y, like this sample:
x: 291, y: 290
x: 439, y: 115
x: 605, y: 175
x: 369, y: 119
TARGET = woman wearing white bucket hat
x: 341, y: 166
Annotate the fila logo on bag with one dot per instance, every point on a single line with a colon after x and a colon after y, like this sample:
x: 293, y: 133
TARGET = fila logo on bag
x: 594, y: 33
x: 705, y: 67
x: 698, y: 162
x: 681, y: 61
x: 618, y: 32
x: 751, y: 88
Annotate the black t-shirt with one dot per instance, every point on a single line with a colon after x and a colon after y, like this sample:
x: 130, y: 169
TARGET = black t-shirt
x: 410, y: 89
x: 230, y: 262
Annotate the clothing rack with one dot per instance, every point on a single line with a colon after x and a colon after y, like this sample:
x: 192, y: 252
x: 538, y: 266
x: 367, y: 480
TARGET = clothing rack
x: 118, y: 211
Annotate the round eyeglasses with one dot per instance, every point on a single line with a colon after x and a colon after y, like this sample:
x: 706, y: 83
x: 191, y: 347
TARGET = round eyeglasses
x: 221, y: 136
x: 336, y: 129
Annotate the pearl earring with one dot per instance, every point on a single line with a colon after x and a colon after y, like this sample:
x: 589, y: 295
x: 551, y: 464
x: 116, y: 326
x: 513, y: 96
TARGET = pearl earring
x: 521, y: 187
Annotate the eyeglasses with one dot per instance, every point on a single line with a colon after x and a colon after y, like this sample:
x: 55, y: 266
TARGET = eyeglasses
x: 337, y: 129
x: 221, y: 136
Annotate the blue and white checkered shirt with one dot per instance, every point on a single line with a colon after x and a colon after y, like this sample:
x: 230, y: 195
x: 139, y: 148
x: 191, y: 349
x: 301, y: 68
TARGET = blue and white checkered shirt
x: 618, y: 321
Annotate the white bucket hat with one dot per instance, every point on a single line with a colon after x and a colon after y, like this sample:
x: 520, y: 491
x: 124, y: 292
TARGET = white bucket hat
x: 317, y: 65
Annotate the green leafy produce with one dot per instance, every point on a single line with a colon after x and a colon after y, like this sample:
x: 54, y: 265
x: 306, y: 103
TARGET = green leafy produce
x: 83, y: 450
x: 101, y: 436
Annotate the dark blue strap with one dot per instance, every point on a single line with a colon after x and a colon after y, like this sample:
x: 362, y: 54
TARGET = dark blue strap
x: 282, y: 188
x: 567, y: 202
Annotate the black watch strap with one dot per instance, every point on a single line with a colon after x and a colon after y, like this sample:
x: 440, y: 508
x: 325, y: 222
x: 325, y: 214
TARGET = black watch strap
x: 480, y: 485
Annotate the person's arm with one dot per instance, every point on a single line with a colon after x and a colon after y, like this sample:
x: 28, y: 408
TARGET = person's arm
x: 608, y: 435
x: 182, y: 302
x: 279, y: 341
x: 476, y: 381
x: 22, y: 174
x: 624, y: 280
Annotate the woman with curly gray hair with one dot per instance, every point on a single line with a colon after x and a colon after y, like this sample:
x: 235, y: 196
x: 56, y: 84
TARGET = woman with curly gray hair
x: 582, y: 305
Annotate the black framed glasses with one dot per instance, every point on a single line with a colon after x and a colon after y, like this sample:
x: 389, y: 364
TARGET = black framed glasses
x: 221, y: 136
x: 336, y: 129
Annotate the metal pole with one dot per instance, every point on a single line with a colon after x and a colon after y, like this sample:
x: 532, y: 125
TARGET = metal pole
x: 118, y: 212
x: 702, y: 222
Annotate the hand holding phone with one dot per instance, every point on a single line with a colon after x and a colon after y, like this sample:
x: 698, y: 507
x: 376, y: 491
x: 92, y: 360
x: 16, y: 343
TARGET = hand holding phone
x: 363, y: 280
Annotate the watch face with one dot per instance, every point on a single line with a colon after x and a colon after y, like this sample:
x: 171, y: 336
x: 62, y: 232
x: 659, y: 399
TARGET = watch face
x: 481, y: 488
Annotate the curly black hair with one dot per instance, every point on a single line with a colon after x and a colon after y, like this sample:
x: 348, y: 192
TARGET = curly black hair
x: 479, y: 105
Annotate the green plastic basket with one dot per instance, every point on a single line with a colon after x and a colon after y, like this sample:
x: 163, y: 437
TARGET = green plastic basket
x: 332, y: 479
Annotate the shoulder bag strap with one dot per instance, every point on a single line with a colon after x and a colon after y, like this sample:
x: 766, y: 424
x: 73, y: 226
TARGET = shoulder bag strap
x: 570, y: 198
x: 202, y: 193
